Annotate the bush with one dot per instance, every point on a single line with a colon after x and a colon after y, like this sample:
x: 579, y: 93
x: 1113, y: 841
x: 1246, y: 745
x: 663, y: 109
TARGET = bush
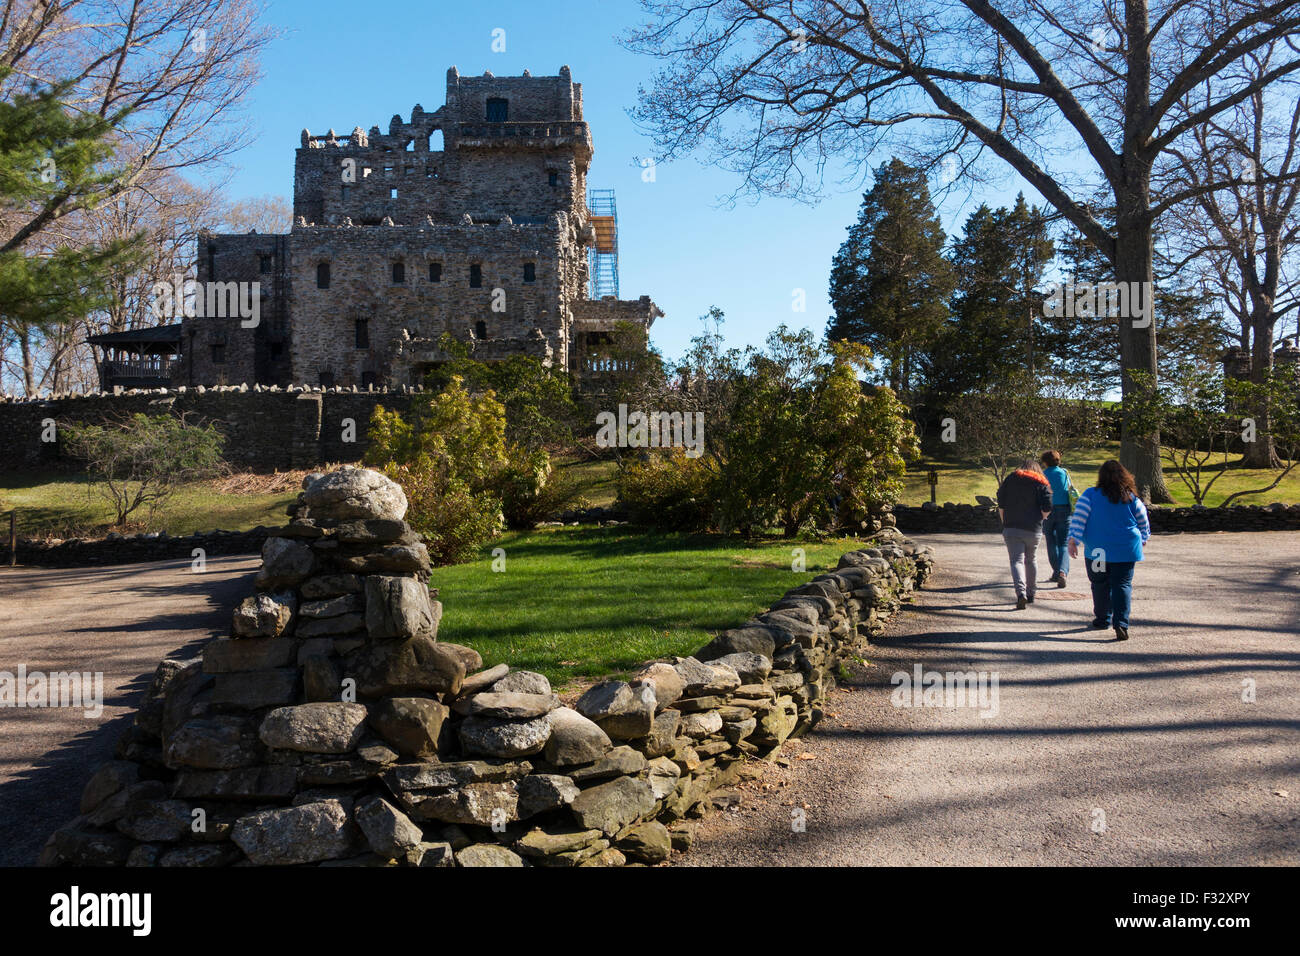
x: 808, y: 445
x: 455, y: 520
x: 531, y: 490
x: 448, y: 453
x: 140, y: 460
x: 668, y: 490
x: 538, y: 402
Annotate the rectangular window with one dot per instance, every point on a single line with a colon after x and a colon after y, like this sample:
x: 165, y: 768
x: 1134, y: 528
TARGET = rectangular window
x: 326, y: 379
x: 367, y: 379
x: 497, y: 110
x: 399, y: 273
x: 476, y: 276
x: 323, y: 276
x: 388, y: 170
x: 553, y: 178
x: 343, y: 193
x: 218, y: 355
x: 363, y: 334
x: 392, y: 193
x: 266, y: 264
x: 435, y: 271
x: 530, y: 272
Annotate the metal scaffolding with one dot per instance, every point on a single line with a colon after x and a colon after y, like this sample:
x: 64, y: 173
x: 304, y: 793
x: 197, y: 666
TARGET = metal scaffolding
x: 602, y: 257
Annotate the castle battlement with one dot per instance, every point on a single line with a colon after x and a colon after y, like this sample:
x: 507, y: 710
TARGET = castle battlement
x: 471, y: 219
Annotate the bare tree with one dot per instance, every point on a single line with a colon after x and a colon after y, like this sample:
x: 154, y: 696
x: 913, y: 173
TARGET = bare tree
x: 169, y: 78
x: 1243, y: 237
x: 264, y: 214
x: 169, y: 75
x: 1079, y: 99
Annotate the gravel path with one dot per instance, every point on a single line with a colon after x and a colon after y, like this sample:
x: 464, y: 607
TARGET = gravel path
x: 1141, y: 753
x: 120, y: 621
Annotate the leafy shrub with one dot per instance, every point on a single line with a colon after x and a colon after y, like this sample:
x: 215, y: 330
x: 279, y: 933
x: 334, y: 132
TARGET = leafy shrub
x: 447, y: 453
x: 454, y: 520
x: 532, y: 490
x: 668, y: 490
x: 538, y: 402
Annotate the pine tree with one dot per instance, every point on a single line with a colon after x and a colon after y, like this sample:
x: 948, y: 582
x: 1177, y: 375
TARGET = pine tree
x: 52, y: 158
x: 996, y: 327
x: 890, y: 281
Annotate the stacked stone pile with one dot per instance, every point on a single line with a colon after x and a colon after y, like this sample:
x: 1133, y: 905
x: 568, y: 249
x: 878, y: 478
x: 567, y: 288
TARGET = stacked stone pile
x: 332, y: 726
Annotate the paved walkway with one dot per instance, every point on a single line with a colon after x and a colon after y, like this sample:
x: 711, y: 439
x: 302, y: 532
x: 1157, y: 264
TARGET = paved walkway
x: 118, y: 620
x: 1148, y: 741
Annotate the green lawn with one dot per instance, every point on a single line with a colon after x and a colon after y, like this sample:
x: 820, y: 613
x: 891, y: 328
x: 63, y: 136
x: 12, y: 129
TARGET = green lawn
x: 595, y: 480
x: 62, y: 505
x: 960, y: 482
x: 586, y: 602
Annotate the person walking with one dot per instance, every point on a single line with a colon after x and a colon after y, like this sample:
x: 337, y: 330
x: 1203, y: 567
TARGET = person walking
x: 1110, y: 521
x: 1056, y: 529
x: 1024, y: 500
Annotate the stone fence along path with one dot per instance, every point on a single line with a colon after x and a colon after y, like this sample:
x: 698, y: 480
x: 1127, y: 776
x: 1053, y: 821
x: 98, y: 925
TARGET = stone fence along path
x: 332, y: 726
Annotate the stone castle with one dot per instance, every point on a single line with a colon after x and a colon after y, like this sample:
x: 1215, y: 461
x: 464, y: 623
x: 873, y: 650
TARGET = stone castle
x: 396, y: 242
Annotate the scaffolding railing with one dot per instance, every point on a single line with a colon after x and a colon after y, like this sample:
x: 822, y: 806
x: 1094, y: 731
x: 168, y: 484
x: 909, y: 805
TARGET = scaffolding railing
x: 602, y: 257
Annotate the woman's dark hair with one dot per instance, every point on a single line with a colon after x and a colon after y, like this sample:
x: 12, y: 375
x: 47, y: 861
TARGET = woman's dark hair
x: 1050, y: 459
x: 1116, y: 482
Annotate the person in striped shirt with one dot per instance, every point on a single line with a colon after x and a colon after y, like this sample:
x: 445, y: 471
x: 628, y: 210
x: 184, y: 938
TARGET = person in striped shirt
x: 1110, y: 522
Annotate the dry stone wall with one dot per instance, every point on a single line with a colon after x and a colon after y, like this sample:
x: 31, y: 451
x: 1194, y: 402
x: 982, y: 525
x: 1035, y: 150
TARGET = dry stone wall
x: 983, y: 518
x: 266, y: 429
x: 332, y: 727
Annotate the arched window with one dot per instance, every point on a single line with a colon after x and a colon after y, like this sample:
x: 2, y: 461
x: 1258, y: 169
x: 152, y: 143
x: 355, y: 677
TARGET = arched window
x: 323, y: 276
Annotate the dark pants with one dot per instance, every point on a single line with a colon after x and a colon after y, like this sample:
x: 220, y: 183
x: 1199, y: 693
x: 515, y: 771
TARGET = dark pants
x: 1056, y: 531
x: 1112, y: 591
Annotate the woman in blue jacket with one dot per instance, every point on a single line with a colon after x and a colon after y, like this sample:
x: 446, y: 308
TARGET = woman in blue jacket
x: 1110, y: 522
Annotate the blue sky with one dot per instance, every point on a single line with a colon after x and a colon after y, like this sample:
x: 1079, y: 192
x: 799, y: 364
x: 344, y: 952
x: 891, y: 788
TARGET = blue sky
x: 342, y: 65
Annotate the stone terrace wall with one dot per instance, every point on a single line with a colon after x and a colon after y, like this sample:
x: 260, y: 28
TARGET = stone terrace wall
x: 267, y: 429
x: 965, y: 518
x: 436, y: 761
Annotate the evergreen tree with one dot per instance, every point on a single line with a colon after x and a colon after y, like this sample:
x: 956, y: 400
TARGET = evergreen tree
x: 52, y: 157
x: 996, y: 328
x: 890, y: 281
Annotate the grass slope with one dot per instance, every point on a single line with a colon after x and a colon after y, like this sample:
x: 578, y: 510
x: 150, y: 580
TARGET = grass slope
x: 61, y: 505
x: 586, y: 602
